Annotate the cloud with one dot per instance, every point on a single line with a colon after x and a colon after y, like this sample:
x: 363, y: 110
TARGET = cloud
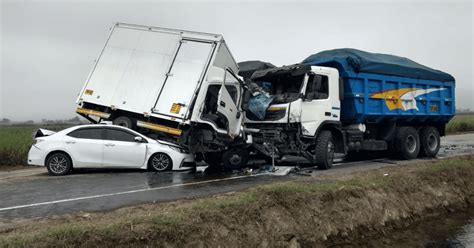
x: 49, y: 47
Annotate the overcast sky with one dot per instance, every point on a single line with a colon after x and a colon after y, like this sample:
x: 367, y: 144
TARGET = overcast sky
x: 49, y: 47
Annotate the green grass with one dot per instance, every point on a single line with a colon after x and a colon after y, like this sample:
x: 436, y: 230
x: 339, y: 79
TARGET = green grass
x: 15, y: 142
x: 14, y: 145
x: 460, y: 124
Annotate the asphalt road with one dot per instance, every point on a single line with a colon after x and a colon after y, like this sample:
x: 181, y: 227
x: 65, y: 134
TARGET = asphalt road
x: 33, y: 194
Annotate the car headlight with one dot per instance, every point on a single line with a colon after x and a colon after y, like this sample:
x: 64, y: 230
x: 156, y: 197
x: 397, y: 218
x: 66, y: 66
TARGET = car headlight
x: 178, y: 149
x: 37, y: 141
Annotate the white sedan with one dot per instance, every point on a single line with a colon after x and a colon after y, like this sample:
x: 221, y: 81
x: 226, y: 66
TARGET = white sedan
x: 104, y: 146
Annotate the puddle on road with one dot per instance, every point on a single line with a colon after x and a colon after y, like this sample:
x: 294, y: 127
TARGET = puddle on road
x: 452, y: 149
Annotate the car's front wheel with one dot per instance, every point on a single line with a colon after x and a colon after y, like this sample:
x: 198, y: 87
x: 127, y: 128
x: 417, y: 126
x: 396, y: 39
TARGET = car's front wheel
x: 160, y: 162
x: 58, y: 164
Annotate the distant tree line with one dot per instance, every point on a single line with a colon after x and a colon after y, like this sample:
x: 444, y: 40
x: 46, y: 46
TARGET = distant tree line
x: 73, y: 121
x: 464, y: 111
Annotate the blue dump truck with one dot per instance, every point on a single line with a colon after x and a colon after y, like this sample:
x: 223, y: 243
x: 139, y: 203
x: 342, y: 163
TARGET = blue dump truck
x: 348, y: 101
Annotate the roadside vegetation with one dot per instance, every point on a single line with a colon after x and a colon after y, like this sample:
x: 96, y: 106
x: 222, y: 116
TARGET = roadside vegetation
x: 311, y: 212
x: 461, y: 124
x: 15, y: 142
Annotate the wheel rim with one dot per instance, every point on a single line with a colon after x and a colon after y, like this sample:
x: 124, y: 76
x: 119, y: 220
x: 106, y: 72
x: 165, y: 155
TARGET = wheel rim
x: 411, y: 143
x: 235, y: 159
x: 58, y: 164
x: 160, y: 162
x: 330, y: 151
x: 432, y: 142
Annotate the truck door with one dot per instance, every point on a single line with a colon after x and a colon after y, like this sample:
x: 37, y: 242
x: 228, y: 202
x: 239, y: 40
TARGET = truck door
x: 320, y: 102
x: 183, y: 78
x: 227, y: 104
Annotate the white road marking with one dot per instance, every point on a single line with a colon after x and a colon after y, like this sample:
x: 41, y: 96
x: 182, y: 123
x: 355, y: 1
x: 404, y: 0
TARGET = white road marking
x: 124, y: 192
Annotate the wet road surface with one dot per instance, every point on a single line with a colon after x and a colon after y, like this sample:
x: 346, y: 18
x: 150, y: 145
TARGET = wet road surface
x: 38, y: 195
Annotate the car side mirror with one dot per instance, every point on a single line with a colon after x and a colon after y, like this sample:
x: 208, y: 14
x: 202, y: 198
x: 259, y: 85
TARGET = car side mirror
x: 138, y: 139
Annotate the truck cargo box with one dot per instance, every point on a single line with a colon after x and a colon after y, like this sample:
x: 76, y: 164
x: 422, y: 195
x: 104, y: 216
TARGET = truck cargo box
x: 177, y: 85
x: 381, y: 87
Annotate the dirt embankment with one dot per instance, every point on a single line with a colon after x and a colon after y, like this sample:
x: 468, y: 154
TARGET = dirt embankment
x: 309, y: 212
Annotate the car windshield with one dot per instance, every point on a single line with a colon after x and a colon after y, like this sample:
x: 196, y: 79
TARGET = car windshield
x: 283, y: 88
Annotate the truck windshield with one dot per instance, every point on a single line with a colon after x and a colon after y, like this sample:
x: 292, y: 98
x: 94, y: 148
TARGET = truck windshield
x: 283, y: 88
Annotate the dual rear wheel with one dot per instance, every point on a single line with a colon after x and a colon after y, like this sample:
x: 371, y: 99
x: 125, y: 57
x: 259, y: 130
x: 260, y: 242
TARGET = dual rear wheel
x: 409, y: 143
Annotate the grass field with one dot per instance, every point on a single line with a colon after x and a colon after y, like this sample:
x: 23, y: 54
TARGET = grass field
x: 15, y: 142
x: 460, y: 124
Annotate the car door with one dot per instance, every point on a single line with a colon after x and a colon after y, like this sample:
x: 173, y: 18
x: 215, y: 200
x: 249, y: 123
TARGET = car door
x: 121, y: 149
x: 227, y: 103
x: 85, y: 146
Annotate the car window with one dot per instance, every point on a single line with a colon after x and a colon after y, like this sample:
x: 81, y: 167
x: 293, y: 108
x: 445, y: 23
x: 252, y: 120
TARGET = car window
x: 86, y: 133
x: 119, y: 135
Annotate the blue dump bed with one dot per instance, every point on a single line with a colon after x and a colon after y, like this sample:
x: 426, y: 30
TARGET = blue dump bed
x: 382, y: 87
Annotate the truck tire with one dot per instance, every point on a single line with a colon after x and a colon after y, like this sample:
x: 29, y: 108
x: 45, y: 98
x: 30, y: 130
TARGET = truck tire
x: 407, y: 142
x: 430, y: 142
x: 235, y: 158
x: 324, y: 150
x: 213, y: 159
x: 124, y: 122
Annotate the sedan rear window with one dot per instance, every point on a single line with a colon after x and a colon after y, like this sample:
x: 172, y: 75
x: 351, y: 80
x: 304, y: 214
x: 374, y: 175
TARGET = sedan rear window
x: 86, y: 133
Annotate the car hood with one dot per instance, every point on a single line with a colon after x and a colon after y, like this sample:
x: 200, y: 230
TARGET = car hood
x: 167, y: 143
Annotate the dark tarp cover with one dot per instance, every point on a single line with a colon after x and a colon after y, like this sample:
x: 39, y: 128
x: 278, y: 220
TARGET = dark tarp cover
x: 348, y: 59
x: 295, y: 70
x: 247, y: 68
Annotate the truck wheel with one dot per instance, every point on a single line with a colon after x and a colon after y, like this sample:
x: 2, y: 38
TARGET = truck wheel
x: 407, y: 142
x: 213, y: 159
x: 235, y: 158
x: 324, y: 150
x: 124, y: 122
x: 430, y: 142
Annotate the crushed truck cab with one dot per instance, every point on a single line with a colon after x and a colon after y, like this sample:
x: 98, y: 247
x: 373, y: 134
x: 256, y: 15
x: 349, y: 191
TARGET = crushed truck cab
x: 305, y: 99
x: 176, y: 85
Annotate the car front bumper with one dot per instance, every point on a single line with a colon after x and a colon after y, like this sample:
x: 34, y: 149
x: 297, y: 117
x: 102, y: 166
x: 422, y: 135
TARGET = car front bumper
x: 187, y: 162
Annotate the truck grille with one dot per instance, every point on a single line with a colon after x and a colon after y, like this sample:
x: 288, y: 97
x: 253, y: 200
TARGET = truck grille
x: 269, y: 115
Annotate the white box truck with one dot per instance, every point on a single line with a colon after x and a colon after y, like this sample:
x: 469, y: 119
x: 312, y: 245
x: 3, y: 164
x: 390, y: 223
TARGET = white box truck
x: 176, y: 85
